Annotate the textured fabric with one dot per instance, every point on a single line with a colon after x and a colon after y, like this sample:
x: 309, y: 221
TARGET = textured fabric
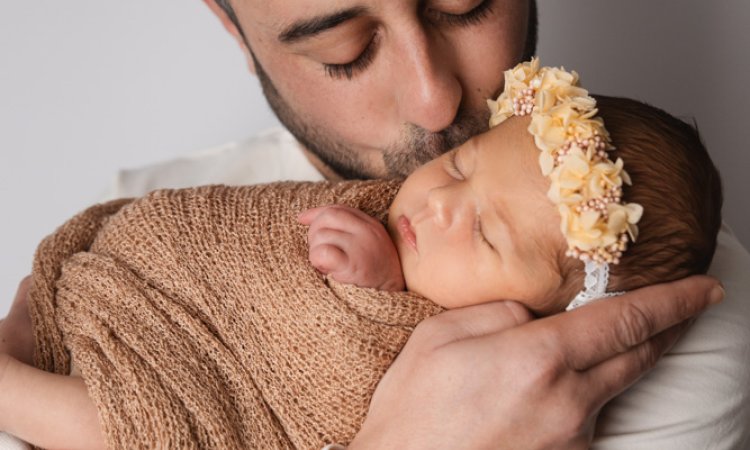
x: 197, y: 322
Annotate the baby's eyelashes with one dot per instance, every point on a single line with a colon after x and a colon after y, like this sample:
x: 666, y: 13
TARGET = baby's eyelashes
x: 451, y: 167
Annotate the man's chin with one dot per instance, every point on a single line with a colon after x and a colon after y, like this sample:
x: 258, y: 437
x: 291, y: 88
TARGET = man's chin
x: 420, y: 146
x: 403, y: 164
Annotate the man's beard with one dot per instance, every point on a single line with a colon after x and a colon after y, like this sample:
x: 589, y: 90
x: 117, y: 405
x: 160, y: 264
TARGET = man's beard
x: 416, y: 146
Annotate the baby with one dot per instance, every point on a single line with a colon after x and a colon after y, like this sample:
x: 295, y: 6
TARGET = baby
x: 541, y: 209
x: 482, y: 222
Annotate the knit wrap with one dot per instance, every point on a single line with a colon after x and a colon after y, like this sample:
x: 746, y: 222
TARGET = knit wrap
x: 197, y: 321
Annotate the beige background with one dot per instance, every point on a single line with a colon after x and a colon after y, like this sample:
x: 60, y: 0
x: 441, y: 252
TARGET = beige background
x: 89, y: 86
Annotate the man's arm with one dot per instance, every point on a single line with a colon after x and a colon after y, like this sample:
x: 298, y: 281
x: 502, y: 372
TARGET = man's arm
x: 46, y: 409
x: 487, y: 376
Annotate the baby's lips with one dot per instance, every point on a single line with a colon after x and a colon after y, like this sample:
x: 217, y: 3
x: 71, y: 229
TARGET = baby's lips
x: 405, y: 229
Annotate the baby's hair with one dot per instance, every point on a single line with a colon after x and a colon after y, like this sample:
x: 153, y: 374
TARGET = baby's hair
x: 679, y: 188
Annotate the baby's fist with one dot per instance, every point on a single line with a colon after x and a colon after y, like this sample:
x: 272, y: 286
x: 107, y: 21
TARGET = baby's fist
x: 352, y: 247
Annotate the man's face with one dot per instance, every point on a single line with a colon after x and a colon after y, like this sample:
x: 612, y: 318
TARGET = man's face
x: 375, y: 88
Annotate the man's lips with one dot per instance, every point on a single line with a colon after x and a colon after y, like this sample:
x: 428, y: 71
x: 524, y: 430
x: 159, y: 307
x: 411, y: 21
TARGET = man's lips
x: 407, y: 232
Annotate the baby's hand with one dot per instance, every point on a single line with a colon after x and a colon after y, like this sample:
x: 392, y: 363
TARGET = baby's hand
x: 352, y: 247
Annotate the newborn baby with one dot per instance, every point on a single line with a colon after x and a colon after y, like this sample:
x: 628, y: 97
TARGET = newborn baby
x: 196, y: 321
x: 478, y: 224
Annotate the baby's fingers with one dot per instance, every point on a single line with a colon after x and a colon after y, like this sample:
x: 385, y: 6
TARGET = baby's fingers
x: 335, y: 216
x: 328, y: 258
x: 307, y: 216
x: 320, y: 236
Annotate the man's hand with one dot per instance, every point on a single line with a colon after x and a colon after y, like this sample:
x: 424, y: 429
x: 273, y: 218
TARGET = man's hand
x: 16, y: 338
x: 352, y: 247
x: 488, y: 376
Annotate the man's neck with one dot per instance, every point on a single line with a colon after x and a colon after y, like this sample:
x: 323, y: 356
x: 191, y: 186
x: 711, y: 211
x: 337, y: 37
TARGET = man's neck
x: 328, y: 173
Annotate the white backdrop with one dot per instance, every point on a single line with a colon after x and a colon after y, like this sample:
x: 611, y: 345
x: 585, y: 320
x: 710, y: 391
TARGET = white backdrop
x: 90, y: 86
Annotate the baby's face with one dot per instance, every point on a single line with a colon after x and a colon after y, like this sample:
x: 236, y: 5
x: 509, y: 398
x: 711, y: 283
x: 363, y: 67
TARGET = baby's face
x: 475, y: 224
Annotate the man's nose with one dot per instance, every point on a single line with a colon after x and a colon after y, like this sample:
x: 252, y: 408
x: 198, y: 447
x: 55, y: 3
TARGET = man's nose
x: 430, y: 91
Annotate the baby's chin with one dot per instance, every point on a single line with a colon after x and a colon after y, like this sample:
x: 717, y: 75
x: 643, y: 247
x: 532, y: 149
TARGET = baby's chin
x: 452, y: 298
x: 448, y: 296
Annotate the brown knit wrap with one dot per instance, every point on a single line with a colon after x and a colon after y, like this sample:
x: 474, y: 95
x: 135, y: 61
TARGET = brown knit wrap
x: 197, y: 321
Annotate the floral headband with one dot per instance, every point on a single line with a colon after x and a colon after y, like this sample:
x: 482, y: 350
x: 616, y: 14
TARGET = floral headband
x: 585, y: 185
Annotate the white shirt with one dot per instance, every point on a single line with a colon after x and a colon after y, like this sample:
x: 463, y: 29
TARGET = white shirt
x: 270, y: 156
x: 697, y: 396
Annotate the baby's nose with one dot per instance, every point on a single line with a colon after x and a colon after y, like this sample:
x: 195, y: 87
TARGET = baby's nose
x: 446, y: 205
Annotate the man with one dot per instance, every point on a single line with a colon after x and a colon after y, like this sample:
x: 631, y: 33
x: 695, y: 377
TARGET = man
x: 373, y: 89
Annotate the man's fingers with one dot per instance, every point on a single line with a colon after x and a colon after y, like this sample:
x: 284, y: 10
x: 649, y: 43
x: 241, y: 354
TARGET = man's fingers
x: 20, y: 302
x: 16, y: 337
x: 614, y: 375
x: 469, y: 322
x: 23, y: 288
x: 604, y: 329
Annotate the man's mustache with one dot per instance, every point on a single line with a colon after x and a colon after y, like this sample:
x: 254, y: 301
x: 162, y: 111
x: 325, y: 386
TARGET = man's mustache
x: 419, y: 146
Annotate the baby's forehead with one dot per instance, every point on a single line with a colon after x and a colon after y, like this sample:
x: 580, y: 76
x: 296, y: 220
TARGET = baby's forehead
x: 518, y: 191
x: 537, y: 246
x: 509, y: 149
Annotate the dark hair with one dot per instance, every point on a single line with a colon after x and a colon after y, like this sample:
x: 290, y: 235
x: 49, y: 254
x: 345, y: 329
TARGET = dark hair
x: 531, y: 33
x: 679, y: 188
x: 227, y: 7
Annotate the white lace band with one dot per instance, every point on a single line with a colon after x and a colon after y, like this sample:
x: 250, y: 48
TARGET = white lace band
x: 594, y: 285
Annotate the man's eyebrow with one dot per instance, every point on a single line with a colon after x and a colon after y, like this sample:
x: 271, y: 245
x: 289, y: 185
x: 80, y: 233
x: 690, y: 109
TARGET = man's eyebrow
x: 310, y: 27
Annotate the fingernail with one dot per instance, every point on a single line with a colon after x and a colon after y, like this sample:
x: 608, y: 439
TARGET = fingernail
x: 717, y: 294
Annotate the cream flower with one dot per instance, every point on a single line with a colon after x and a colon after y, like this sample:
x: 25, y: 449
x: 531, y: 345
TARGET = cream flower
x: 500, y: 110
x: 624, y: 217
x: 585, y: 231
x: 548, y: 132
x: 604, y: 176
x: 519, y: 78
x: 567, y: 179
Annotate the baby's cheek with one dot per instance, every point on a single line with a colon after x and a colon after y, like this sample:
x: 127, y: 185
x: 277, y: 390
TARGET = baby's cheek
x: 438, y: 276
x: 429, y: 285
x: 415, y: 279
x: 410, y: 274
